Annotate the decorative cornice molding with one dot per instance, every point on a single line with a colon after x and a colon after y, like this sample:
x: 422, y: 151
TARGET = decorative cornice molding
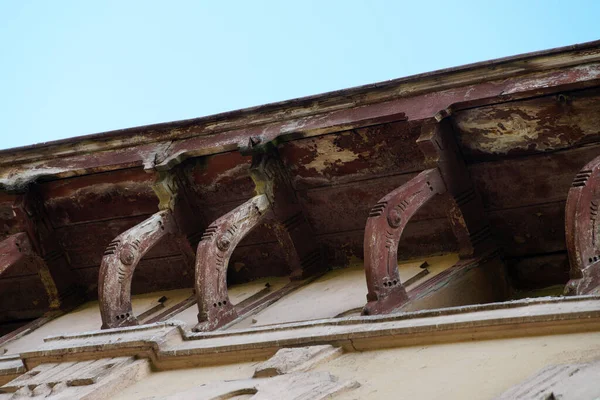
x: 171, y: 345
x: 414, y: 98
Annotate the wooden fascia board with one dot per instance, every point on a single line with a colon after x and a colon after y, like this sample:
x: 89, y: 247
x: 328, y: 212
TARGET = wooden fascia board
x: 414, y: 98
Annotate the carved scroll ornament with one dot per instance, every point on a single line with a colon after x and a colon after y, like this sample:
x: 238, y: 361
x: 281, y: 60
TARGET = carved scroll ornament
x: 212, y: 258
x: 582, y: 225
x: 385, y: 225
x: 121, y: 257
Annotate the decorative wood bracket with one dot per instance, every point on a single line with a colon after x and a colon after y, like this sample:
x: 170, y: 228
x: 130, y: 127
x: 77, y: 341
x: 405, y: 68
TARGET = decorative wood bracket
x: 17, y: 249
x: 13, y: 250
x: 121, y: 257
x: 55, y: 269
x: 582, y: 226
x: 174, y: 193
x: 288, y: 221
x: 275, y: 202
x: 388, y: 218
x: 123, y: 254
x: 465, y: 209
x: 212, y: 258
x: 385, y: 225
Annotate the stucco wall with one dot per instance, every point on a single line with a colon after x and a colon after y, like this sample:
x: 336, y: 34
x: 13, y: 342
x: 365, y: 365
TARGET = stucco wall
x: 467, y: 370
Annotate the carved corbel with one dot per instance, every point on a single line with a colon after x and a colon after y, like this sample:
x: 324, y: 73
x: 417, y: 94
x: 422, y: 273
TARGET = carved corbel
x: 448, y: 176
x: 582, y: 230
x: 17, y: 249
x: 288, y: 221
x: 124, y: 253
x: 120, y: 259
x: 465, y: 208
x: 212, y: 258
x: 13, y: 250
x: 54, y: 265
x: 276, y: 204
x: 174, y: 193
x: 385, y: 225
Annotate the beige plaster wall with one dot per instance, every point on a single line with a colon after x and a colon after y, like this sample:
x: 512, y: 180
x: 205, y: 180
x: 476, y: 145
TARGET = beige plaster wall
x: 237, y: 293
x: 87, y: 318
x: 164, y: 383
x: 336, y: 292
x: 467, y: 370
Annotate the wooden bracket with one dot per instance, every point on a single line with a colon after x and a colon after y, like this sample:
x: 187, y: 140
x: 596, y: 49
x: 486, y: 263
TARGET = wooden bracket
x: 212, y: 258
x: 13, y: 250
x: 448, y: 176
x: 17, y: 249
x: 124, y: 253
x: 385, y: 225
x: 174, y: 193
x: 276, y: 204
x: 122, y: 256
x: 465, y: 209
x: 288, y: 221
x: 582, y: 228
x: 56, y: 274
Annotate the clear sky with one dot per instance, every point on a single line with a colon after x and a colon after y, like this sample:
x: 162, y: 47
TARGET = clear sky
x: 69, y: 68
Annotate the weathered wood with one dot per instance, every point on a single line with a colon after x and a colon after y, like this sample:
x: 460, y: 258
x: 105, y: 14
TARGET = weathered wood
x: 346, y: 207
x: 464, y: 208
x: 119, y: 262
x: 582, y: 227
x: 416, y: 98
x: 23, y: 298
x: 151, y: 275
x: 97, y: 197
x: 221, y: 178
x: 538, y: 125
x: 420, y: 239
x: 385, y: 225
x: 16, y: 251
x: 212, y: 258
x: 540, y: 178
x: 391, y: 214
x: 530, y: 230
x: 62, y: 290
x: 86, y: 243
x: 257, y: 261
x: 341, y: 153
x: 355, y: 155
x: 289, y: 223
x: 537, y: 272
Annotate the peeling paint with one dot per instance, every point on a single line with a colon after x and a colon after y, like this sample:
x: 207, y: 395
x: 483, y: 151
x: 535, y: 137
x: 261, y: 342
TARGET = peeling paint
x: 19, y: 179
x: 328, y: 155
x: 539, y: 125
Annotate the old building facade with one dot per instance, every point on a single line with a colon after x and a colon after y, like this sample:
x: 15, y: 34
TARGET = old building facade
x: 432, y: 236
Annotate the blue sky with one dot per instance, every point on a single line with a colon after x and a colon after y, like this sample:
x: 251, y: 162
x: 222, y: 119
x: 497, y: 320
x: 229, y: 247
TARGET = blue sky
x: 69, y: 68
